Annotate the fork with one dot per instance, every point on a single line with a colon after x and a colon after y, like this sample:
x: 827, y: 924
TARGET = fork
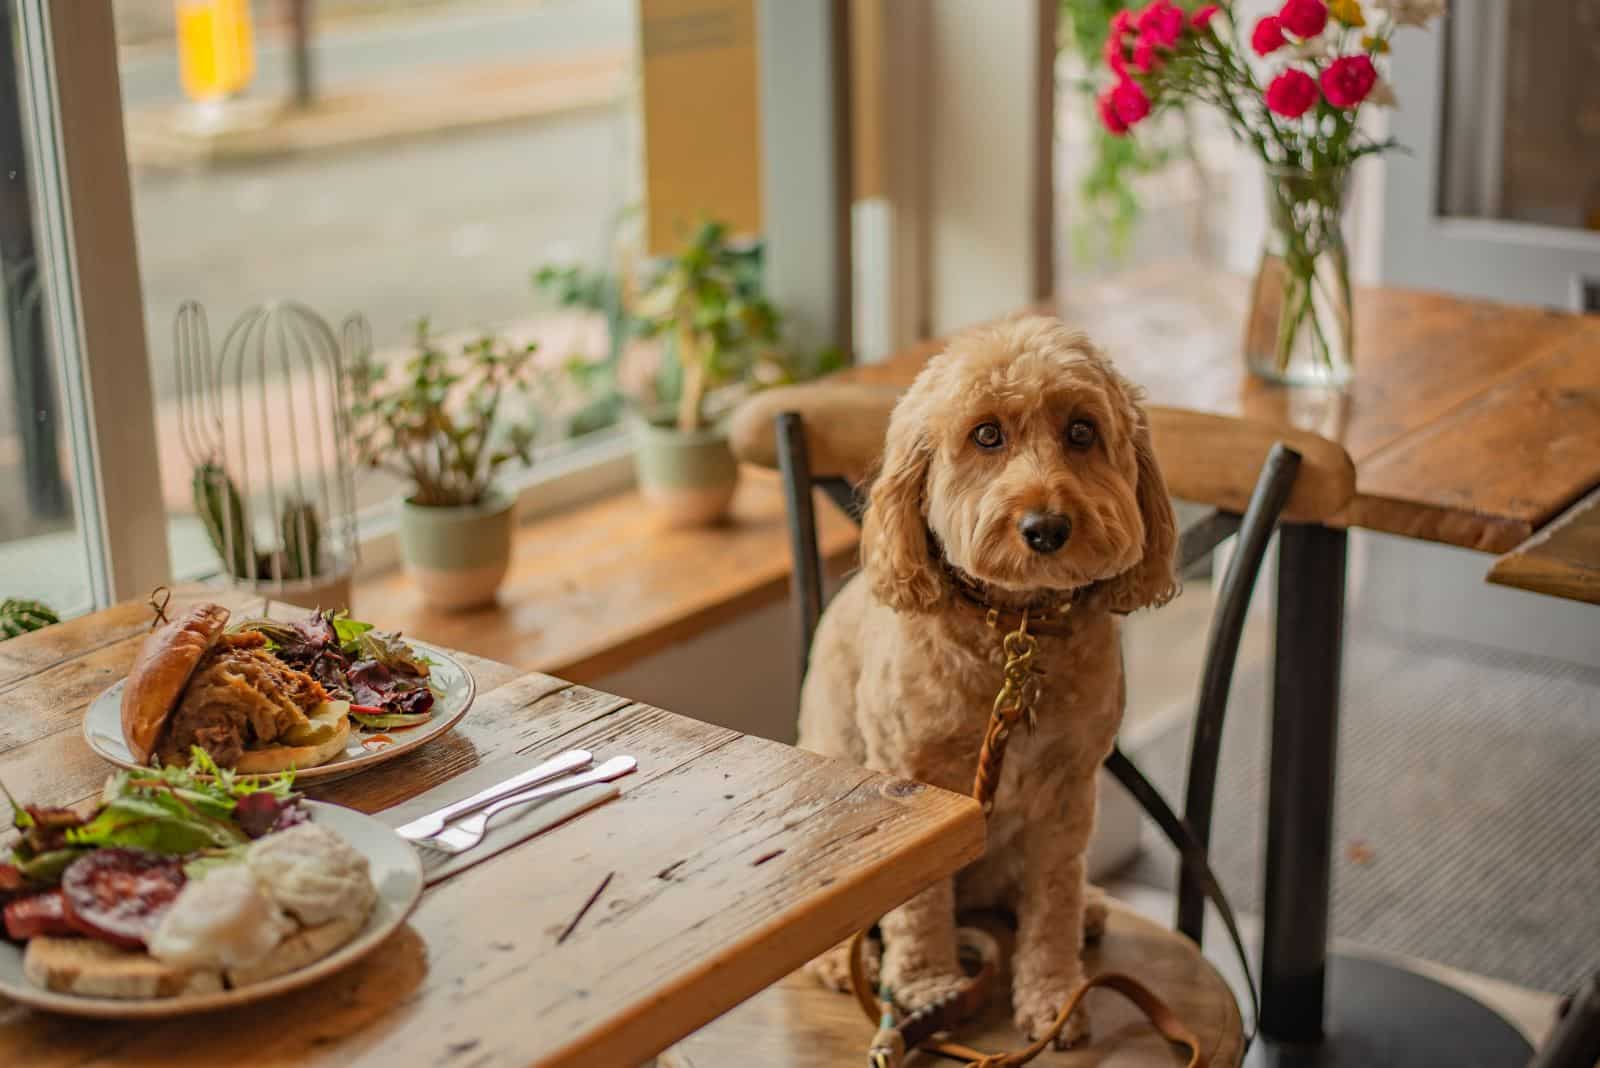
x: 460, y: 837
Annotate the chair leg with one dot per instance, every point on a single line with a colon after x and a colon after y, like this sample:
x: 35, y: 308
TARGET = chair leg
x: 805, y: 580
x: 1222, y: 651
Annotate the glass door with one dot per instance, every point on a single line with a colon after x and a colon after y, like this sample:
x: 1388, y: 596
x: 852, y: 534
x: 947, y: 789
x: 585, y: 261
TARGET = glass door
x: 1500, y: 196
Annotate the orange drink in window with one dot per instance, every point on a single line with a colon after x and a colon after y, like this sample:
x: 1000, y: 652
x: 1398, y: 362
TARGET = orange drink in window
x: 216, y: 51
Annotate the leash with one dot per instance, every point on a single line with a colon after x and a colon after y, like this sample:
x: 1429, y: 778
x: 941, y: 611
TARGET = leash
x: 1015, y: 703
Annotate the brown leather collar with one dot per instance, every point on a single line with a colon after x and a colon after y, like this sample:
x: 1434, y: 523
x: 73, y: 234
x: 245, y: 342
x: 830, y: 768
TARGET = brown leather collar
x: 1051, y: 618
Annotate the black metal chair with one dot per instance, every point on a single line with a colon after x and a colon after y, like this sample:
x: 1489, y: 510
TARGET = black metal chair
x: 1254, y: 529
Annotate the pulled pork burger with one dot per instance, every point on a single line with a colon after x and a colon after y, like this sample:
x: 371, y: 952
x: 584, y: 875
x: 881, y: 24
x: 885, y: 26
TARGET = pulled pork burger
x: 195, y: 683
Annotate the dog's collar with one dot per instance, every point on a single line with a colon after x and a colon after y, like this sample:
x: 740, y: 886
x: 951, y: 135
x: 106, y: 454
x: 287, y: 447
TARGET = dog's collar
x: 1051, y: 617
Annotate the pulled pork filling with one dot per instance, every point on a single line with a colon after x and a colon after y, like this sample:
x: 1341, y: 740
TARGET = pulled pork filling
x: 239, y: 697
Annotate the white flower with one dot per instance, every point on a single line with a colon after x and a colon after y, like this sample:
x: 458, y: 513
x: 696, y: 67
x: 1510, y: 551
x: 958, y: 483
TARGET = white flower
x: 1383, y: 95
x: 1412, y: 12
x: 1313, y: 49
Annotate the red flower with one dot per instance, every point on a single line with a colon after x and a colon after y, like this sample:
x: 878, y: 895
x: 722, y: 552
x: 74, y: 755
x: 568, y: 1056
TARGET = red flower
x: 1161, y: 23
x: 1304, y: 18
x: 1292, y: 93
x: 1116, y: 50
x: 1129, y: 101
x: 1348, y: 80
x: 1268, y: 35
x: 1108, y: 113
x: 1203, y: 16
x: 1145, y: 57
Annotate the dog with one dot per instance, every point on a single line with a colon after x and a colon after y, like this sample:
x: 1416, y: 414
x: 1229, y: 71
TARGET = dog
x: 1017, y: 474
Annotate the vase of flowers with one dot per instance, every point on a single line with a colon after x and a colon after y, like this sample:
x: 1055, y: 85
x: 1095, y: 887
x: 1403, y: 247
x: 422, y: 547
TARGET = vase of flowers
x: 448, y: 420
x: 1295, y: 97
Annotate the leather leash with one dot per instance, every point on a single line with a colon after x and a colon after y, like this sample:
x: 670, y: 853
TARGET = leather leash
x: 1014, y: 704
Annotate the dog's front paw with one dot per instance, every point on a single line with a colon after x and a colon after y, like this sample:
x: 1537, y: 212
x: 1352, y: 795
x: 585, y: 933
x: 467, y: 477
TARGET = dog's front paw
x: 832, y: 969
x: 912, y: 992
x: 1035, y: 1012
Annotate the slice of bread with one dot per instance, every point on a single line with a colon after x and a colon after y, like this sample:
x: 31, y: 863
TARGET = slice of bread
x: 306, y: 946
x: 91, y: 968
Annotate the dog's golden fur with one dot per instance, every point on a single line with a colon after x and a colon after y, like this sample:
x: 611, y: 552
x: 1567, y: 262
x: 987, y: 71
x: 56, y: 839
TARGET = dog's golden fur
x: 902, y: 681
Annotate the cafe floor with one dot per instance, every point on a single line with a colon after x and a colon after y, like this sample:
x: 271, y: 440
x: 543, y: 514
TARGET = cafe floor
x: 1465, y: 775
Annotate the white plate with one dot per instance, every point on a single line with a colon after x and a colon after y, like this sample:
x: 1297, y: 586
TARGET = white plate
x: 396, y: 872
x: 102, y: 725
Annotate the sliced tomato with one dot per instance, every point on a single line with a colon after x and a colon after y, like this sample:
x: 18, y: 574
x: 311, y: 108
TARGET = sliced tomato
x: 38, y: 914
x: 120, y: 895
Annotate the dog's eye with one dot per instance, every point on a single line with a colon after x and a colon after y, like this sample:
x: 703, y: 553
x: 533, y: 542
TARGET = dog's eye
x: 1080, y: 433
x: 988, y: 436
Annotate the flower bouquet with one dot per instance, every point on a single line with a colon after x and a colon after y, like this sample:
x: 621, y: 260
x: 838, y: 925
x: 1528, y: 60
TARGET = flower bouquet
x: 1296, y: 102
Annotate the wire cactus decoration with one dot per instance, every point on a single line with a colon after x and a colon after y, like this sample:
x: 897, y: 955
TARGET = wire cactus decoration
x: 265, y: 427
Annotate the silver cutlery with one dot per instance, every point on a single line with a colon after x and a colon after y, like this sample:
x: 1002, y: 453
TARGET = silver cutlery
x: 460, y: 837
x: 432, y: 823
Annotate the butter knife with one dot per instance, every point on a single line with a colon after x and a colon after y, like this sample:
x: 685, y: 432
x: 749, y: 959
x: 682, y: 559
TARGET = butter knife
x: 431, y: 824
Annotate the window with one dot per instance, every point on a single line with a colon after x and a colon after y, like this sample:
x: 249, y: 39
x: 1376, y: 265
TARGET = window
x: 44, y: 551
x: 442, y: 152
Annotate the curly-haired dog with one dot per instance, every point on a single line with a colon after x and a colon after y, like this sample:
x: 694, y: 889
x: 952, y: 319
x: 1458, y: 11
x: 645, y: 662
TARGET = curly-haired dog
x: 1017, y: 474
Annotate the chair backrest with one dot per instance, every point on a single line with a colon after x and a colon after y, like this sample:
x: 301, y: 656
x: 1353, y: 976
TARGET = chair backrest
x: 1311, y: 482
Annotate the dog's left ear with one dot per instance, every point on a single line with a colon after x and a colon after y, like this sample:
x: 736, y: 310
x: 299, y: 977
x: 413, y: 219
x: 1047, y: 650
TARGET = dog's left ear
x: 1153, y: 581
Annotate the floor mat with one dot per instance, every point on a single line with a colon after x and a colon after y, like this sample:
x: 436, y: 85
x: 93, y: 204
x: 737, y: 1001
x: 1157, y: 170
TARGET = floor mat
x: 1468, y: 822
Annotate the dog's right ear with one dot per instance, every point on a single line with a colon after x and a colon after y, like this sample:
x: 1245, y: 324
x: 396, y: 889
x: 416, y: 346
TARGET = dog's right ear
x: 894, y: 534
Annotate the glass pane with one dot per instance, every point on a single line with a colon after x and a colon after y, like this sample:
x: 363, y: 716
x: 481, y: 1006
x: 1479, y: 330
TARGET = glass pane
x: 1522, y: 127
x: 447, y: 149
x: 43, y: 552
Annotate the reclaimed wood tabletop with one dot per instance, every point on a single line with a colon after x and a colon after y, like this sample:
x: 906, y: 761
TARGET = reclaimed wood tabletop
x: 733, y: 860
x: 1469, y: 422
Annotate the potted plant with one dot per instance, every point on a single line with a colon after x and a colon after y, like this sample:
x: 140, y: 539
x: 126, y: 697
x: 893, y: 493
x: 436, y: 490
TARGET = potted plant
x: 717, y: 337
x: 445, y: 421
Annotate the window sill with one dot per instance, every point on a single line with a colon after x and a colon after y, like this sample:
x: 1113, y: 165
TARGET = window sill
x: 595, y: 588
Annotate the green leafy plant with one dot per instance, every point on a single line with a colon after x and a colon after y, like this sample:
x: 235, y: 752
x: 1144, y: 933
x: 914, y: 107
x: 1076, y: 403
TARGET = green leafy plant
x: 573, y: 286
x: 707, y: 301
x: 19, y: 616
x: 440, y: 417
x: 707, y: 304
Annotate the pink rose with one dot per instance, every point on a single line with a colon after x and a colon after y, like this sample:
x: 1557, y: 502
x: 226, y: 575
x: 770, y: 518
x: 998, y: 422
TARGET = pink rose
x: 1292, y: 93
x: 1304, y: 18
x: 1108, y: 113
x: 1348, y: 80
x: 1129, y: 101
x: 1161, y: 23
x: 1145, y: 57
x: 1202, y: 17
x: 1121, y: 24
x: 1268, y: 35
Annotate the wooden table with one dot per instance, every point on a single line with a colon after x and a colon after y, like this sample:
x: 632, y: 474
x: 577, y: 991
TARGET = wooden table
x: 1469, y: 423
x: 736, y: 859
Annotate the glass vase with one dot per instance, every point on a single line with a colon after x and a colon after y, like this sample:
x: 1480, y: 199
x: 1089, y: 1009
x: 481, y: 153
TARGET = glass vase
x: 1300, y: 328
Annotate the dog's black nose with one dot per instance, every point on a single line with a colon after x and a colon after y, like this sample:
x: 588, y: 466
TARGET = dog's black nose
x: 1045, y: 532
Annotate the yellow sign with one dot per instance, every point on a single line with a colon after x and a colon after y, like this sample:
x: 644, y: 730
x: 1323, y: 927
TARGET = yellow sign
x: 216, y: 49
x: 702, y: 134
